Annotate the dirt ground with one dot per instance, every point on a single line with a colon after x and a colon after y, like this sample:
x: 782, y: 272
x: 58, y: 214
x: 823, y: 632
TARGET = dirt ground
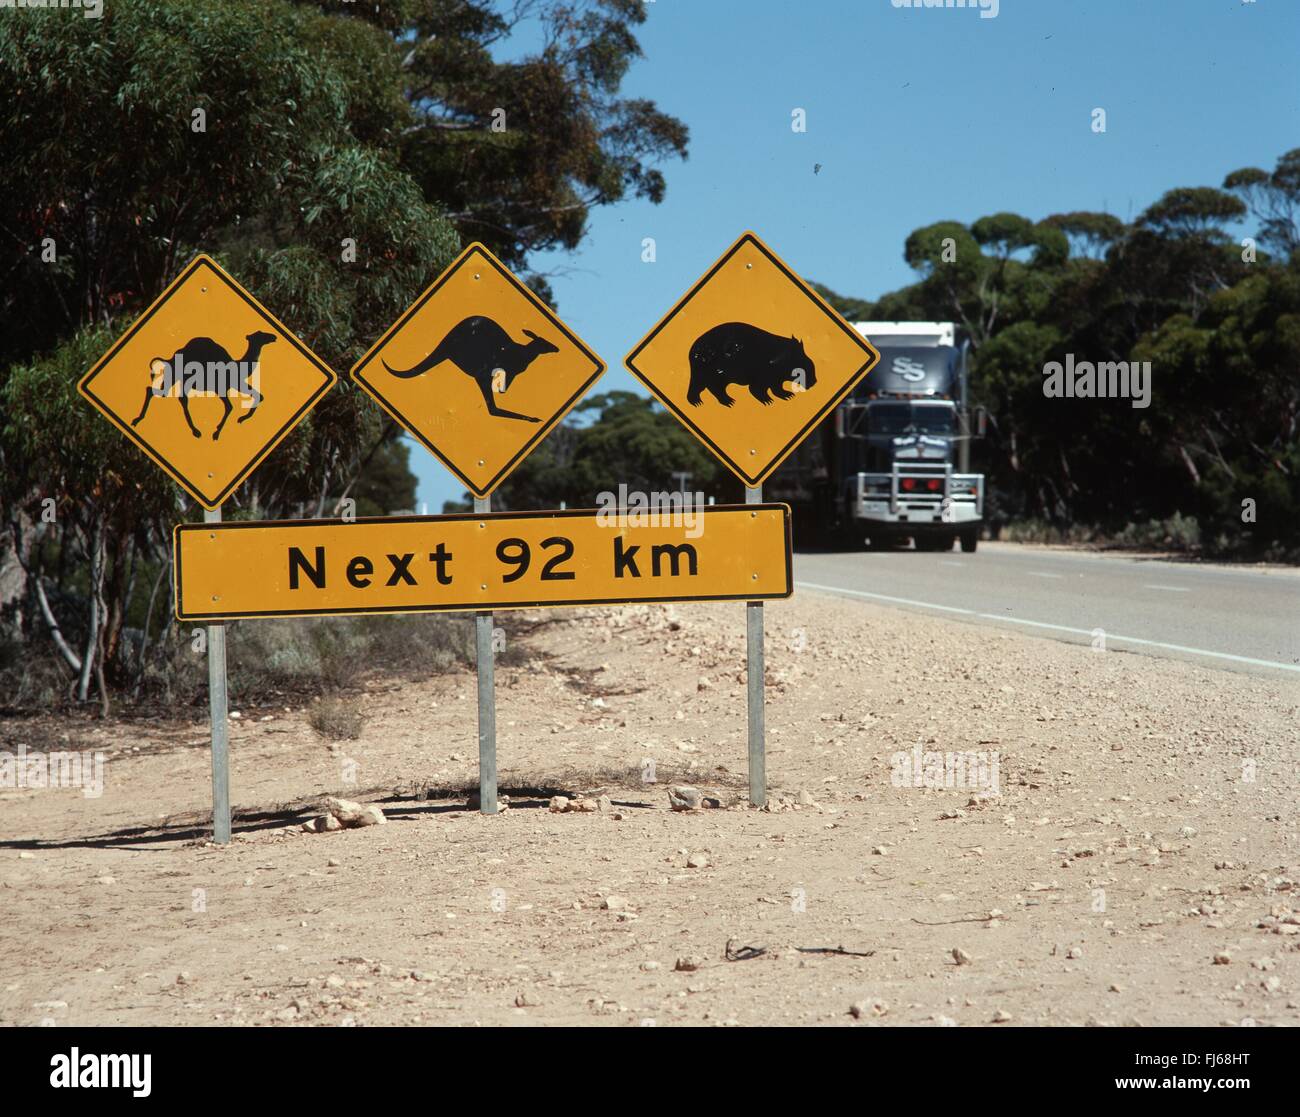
x: 1138, y: 865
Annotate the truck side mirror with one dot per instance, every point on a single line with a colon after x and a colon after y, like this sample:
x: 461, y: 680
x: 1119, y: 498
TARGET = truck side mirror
x: 981, y: 422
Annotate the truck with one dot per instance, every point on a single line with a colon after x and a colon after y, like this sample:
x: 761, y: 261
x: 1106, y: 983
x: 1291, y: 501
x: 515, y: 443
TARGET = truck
x: 892, y: 462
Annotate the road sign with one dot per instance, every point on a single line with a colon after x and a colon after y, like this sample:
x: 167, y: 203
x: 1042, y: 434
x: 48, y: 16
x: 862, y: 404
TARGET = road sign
x: 207, y: 382
x: 504, y: 560
x: 751, y: 359
x: 479, y: 369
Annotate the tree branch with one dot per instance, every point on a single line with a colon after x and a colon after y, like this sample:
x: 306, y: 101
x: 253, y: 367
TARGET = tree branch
x: 56, y: 633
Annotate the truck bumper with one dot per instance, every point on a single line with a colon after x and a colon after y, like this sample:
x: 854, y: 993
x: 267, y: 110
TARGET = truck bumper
x: 918, y: 498
x: 909, y: 517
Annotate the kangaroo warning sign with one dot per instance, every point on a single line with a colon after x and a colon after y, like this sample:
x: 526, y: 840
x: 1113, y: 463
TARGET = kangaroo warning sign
x: 479, y: 369
x: 207, y: 382
x: 505, y: 560
x: 751, y: 359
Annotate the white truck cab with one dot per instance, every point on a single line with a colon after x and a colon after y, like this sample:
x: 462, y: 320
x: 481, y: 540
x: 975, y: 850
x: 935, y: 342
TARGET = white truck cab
x: 908, y: 428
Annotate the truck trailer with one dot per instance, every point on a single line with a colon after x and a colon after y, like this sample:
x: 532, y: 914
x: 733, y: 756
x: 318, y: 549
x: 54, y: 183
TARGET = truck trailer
x: 892, y: 462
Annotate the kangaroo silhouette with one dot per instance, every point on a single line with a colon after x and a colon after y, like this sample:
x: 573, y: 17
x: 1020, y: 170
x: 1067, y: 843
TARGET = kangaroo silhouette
x: 738, y: 353
x: 221, y: 375
x: 480, y: 348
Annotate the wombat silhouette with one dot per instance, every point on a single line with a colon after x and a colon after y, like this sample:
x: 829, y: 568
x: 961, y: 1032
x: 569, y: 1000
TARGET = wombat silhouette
x: 481, y: 348
x: 221, y: 375
x: 738, y: 353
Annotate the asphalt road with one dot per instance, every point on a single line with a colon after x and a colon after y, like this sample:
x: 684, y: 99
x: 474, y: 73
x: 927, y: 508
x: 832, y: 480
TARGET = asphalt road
x: 1236, y: 619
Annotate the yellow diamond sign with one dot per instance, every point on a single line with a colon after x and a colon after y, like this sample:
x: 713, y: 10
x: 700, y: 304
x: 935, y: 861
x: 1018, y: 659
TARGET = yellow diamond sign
x: 479, y: 369
x: 207, y: 382
x: 751, y: 359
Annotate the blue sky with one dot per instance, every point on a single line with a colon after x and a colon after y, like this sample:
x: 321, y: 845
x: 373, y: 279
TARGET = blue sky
x: 915, y: 117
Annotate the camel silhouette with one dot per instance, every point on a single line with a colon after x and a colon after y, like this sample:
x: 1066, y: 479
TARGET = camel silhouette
x: 481, y: 349
x: 221, y: 374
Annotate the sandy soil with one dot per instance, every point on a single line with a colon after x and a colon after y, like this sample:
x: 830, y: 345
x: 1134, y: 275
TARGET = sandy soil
x: 1145, y: 823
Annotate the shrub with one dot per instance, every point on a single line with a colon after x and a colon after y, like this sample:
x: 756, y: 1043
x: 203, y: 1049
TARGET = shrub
x: 337, y: 719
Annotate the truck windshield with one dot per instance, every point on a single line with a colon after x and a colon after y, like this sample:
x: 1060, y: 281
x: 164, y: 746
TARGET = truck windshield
x: 911, y: 418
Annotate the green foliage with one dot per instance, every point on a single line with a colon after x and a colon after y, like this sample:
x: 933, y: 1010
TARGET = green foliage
x: 385, y: 484
x: 334, y: 157
x: 1222, y: 336
x: 49, y: 428
x: 1188, y: 211
x: 852, y: 310
x: 1089, y: 234
x: 613, y: 439
x: 522, y: 148
x: 1274, y: 200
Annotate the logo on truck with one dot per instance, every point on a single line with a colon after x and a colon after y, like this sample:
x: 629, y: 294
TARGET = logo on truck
x: 906, y: 368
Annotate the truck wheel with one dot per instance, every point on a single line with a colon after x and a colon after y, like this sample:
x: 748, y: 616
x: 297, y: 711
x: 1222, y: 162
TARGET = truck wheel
x: 969, y: 541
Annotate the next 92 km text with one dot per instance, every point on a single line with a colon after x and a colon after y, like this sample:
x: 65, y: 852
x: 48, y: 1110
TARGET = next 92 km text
x: 478, y: 562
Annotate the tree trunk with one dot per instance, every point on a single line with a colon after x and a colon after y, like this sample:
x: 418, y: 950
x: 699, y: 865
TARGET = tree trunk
x: 103, y: 686
x: 148, y: 624
x: 96, y: 580
x: 15, y: 558
x: 117, y: 600
x: 56, y: 634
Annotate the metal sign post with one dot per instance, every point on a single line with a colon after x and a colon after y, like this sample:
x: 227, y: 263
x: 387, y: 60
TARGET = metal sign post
x: 220, y: 722
x: 751, y: 326
x: 487, y: 699
x: 147, y: 387
x: 754, y: 677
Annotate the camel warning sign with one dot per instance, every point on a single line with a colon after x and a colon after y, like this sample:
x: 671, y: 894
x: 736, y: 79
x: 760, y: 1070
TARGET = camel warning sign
x: 751, y: 359
x: 207, y: 382
x: 503, y: 560
x: 479, y: 369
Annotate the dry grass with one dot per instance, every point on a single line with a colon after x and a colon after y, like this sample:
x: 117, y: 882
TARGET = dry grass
x: 337, y: 719
x: 587, y: 780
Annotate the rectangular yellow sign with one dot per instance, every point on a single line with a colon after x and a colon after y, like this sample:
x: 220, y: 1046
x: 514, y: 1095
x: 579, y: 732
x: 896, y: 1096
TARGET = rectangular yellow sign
x: 503, y: 560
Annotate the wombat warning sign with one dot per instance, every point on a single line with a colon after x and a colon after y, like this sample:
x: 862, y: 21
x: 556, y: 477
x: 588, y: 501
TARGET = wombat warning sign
x: 751, y: 359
